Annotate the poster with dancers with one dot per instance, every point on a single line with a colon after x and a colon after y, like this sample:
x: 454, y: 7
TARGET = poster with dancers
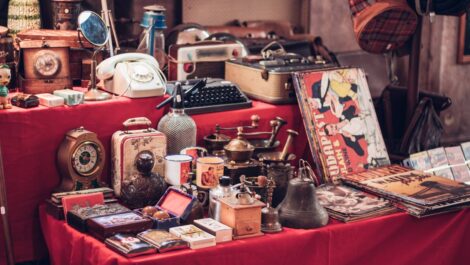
x: 341, y: 122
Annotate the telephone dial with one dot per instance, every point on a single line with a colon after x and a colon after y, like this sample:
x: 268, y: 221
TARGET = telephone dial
x: 134, y: 75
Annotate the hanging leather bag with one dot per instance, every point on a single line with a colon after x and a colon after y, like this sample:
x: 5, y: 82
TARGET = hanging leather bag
x: 440, y: 7
x: 384, y: 25
x: 425, y: 129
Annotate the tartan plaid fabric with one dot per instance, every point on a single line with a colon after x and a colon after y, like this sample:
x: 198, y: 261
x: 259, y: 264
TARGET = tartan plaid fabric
x: 357, y: 6
x: 387, y: 31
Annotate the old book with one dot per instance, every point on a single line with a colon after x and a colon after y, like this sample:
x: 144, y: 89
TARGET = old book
x: 340, y: 121
x: 438, y: 159
x: 348, y: 204
x: 457, y: 161
x: 195, y: 237
x: 129, y: 245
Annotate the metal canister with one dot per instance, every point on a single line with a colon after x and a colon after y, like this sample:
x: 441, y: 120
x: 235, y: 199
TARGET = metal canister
x: 65, y: 14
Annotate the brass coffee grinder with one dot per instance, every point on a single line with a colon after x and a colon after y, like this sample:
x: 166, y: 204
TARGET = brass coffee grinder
x: 216, y: 141
x: 239, y: 159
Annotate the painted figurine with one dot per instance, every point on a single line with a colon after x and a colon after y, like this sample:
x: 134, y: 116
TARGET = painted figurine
x: 5, y: 76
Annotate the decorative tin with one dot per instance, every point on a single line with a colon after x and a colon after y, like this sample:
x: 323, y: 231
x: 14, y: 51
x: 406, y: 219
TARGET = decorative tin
x: 77, y: 216
x: 221, y: 232
x: 106, y: 226
x: 196, y: 237
x: 126, y: 145
x: 65, y: 14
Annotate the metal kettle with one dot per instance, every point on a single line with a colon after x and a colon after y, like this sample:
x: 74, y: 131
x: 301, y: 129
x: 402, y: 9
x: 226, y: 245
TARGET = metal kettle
x: 300, y: 208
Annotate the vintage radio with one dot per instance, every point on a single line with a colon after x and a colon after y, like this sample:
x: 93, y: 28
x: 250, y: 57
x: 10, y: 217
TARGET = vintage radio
x: 44, y: 66
x: 201, y: 59
x: 80, y: 48
x: 109, y: 225
x: 127, y: 145
x: 269, y: 79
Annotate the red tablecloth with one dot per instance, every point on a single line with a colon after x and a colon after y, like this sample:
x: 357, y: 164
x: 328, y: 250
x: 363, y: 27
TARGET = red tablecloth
x: 29, y: 140
x: 394, y: 239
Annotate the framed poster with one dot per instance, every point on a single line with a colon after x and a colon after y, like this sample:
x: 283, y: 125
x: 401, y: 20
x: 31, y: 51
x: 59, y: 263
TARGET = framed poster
x: 463, y: 55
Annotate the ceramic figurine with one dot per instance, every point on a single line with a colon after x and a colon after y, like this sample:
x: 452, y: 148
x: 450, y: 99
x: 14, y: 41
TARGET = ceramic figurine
x: 5, y: 76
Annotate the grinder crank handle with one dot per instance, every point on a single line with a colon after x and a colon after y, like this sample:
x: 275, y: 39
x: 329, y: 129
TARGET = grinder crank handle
x: 200, y: 84
x: 289, y: 140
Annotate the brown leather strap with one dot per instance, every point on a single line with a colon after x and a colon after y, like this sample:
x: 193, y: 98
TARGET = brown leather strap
x: 357, y: 6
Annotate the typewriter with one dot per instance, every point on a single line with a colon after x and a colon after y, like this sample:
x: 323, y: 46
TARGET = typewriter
x: 210, y: 95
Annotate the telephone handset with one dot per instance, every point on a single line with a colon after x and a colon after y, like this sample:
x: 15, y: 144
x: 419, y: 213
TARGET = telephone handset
x: 133, y: 75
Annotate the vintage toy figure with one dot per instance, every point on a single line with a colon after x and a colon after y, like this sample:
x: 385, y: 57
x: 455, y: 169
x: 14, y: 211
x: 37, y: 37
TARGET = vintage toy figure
x: 5, y: 77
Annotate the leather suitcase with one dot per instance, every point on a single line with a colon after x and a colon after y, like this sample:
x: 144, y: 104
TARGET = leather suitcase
x: 272, y: 85
x: 127, y: 144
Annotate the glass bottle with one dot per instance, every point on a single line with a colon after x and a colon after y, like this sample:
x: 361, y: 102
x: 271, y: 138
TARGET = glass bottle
x: 152, y: 39
x: 179, y: 128
x: 223, y: 190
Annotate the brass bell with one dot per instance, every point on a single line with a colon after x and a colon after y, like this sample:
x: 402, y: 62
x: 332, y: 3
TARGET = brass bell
x: 300, y: 208
x: 269, y: 215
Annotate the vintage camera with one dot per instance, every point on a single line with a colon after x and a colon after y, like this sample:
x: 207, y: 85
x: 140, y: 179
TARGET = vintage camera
x: 201, y: 59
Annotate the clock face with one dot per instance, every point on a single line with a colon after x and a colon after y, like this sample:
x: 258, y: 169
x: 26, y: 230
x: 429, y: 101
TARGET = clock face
x: 46, y: 63
x: 85, y: 158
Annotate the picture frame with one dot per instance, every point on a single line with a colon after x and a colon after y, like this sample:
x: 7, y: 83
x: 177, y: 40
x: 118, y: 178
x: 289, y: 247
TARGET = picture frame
x: 463, y: 54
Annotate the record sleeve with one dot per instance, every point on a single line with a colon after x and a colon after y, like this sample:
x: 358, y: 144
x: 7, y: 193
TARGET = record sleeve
x: 340, y: 121
x: 438, y: 158
x: 409, y: 186
x: 456, y: 159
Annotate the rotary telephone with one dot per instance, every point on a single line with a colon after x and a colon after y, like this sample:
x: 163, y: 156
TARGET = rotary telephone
x: 134, y: 75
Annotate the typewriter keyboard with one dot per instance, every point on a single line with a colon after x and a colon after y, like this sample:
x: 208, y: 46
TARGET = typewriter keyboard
x: 217, y: 95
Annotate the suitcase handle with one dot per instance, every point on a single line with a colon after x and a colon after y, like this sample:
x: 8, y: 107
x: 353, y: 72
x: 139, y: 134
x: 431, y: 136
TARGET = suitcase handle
x: 137, y: 121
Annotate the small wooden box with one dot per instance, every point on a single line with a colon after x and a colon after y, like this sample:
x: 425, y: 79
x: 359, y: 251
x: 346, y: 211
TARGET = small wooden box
x: 105, y: 226
x: 244, y: 219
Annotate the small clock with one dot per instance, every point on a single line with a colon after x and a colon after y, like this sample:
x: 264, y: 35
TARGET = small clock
x: 46, y: 63
x: 80, y: 160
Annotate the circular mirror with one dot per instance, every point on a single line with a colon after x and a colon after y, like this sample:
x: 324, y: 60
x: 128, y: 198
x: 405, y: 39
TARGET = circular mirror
x: 93, y: 28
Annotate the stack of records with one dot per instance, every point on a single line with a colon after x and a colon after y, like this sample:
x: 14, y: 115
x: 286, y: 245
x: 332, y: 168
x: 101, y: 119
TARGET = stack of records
x: 348, y: 204
x: 419, y: 193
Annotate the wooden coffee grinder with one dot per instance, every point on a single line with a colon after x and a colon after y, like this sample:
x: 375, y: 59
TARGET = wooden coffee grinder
x: 242, y: 212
